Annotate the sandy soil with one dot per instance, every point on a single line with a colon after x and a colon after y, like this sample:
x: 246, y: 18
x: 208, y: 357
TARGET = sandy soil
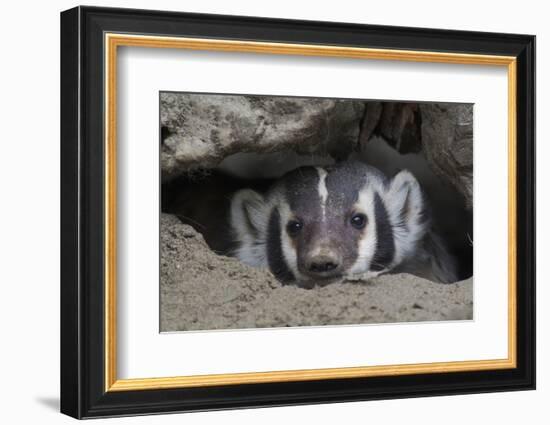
x: 200, y: 290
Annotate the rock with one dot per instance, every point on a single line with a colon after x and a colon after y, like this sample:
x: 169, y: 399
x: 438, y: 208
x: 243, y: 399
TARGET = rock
x: 447, y: 141
x: 443, y: 131
x: 200, y: 290
x: 199, y: 131
x: 398, y: 123
x: 371, y: 118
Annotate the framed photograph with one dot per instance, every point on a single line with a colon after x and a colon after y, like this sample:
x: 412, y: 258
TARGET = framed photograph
x: 261, y: 212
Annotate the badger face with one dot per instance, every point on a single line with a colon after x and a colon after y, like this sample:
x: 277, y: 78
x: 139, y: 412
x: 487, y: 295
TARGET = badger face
x: 318, y: 225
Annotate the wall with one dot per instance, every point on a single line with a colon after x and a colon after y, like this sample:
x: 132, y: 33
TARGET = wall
x: 29, y: 223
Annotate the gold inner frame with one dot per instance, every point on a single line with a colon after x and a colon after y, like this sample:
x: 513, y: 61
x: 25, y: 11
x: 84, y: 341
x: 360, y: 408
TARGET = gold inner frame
x: 113, y: 41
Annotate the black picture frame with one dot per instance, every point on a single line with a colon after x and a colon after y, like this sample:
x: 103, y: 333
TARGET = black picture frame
x: 83, y: 392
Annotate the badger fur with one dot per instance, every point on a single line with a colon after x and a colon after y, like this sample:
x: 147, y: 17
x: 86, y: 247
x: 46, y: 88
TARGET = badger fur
x: 317, y: 225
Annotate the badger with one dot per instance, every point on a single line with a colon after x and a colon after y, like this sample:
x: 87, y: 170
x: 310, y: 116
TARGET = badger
x: 345, y: 222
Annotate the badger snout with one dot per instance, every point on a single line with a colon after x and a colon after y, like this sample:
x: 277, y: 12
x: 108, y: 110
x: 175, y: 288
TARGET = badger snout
x: 323, y: 263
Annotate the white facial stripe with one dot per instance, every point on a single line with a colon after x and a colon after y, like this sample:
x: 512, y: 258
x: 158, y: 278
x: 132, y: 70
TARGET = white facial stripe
x: 322, y: 188
x: 367, y: 244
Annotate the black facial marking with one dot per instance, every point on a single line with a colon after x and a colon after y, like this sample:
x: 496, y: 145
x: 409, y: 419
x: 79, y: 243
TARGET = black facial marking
x: 385, y: 245
x: 302, y: 194
x: 275, y: 257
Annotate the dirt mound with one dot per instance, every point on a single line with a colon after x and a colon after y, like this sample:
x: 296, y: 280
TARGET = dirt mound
x: 201, y: 290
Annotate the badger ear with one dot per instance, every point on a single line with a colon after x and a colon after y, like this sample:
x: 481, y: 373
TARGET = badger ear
x: 249, y: 212
x: 249, y: 219
x: 407, y: 209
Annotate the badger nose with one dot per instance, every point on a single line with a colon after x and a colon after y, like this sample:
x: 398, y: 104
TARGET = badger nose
x: 323, y: 264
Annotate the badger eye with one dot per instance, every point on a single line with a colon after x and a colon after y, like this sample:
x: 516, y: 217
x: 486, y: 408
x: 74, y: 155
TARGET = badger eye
x: 358, y: 220
x: 293, y: 227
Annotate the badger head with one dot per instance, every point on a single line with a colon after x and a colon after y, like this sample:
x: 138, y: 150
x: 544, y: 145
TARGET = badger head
x: 318, y: 225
